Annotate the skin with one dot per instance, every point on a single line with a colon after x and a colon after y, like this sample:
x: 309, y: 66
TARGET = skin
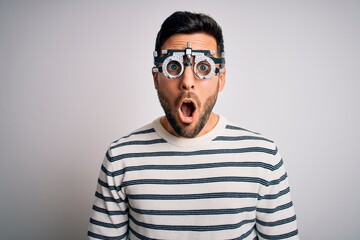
x: 203, y: 93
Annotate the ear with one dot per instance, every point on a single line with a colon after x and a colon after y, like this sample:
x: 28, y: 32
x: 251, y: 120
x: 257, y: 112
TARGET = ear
x: 155, y: 78
x: 222, y: 79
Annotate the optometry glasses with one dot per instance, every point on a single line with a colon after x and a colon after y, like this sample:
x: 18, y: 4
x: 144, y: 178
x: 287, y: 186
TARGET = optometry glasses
x: 174, y: 62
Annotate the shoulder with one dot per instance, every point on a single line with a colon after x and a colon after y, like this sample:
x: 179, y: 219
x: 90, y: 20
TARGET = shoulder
x: 142, y: 136
x: 233, y: 132
x: 248, y: 142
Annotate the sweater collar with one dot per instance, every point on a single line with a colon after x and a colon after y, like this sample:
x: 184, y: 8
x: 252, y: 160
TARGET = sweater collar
x: 190, y: 142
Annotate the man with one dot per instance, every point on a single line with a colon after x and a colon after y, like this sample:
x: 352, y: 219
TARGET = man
x: 191, y: 174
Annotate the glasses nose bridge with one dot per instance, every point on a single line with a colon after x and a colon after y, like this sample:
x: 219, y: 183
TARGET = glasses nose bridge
x: 188, y: 60
x: 188, y: 66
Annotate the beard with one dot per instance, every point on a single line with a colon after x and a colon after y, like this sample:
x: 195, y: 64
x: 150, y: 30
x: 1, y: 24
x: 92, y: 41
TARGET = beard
x: 171, y: 112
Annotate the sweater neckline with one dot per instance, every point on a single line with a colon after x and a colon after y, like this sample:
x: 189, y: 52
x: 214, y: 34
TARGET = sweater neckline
x: 190, y: 142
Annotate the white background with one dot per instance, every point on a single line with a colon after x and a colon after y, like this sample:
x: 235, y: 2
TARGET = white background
x: 76, y: 75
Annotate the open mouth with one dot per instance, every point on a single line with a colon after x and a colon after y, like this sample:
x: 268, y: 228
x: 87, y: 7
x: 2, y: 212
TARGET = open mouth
x: 187, y: 110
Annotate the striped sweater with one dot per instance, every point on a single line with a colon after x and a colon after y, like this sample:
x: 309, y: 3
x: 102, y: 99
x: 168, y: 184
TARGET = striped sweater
x: 227, y: 184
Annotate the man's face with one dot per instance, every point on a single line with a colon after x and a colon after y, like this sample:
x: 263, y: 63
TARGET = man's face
x: 188, y: 101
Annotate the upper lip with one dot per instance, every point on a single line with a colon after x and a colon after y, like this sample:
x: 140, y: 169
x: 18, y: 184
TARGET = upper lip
x: 188, y: 100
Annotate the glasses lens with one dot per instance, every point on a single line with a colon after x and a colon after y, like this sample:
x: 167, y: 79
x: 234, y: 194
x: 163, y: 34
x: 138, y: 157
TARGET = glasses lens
x: 203, y: 68
x: 173, y: 68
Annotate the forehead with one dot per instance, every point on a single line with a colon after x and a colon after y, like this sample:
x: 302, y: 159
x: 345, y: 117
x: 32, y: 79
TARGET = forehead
x: 199, y: 41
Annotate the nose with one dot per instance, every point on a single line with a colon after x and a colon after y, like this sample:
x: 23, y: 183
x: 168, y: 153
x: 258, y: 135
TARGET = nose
x: 187, y: 79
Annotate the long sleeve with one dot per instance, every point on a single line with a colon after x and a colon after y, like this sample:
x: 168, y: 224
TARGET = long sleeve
x: 275, y: 218
x: 232, y: 184
x: 109, y: 218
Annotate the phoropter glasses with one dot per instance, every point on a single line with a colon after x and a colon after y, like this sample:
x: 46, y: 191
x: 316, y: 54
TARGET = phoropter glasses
x: 173, y: 62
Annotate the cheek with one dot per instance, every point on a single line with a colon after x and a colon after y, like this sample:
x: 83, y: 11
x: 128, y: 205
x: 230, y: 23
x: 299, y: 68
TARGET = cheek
x: 167, y: 86
x: 208, y: 87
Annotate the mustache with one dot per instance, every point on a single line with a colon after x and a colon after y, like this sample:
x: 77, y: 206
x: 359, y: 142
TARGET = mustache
x: 188, y: 95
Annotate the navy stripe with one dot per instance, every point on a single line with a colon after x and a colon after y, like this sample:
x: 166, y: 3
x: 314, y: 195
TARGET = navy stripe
x: 277, y: 166
x: 108, y: 157
x: 200, y: 181
x: 104, y: 184
x: 273, y: 210
x: 193, y: 153
x: 239, y: 128
x: 191, y: 196
x: 110, y: 187
x: 240, y: 138
x: 191, y: 167
x: 98, y: 236
x: 139, y: 142
x: 191, y: 228
x: 108, y: 199
x: 107, y: 172
x: 275, y: 196
x: 108, y: 225
x: 138, y: 235
x: 193, y: 212
x: 105, y: 211
x: 277, y: 237
x: 245, y: 234
x: 150, y: 130
x: 277, y: 181
x: 277, y: 223
x: 194, y: 181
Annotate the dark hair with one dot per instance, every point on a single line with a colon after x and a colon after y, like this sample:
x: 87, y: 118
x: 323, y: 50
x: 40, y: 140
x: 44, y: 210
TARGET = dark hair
x: 187, y: 23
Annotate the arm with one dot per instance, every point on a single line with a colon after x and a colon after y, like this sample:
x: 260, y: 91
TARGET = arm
x: 109, y: 218
x: 275, y: 217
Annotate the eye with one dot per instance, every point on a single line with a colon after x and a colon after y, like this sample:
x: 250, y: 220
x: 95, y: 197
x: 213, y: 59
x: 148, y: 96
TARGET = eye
x: 203, y: 68
x: 173, y: 67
